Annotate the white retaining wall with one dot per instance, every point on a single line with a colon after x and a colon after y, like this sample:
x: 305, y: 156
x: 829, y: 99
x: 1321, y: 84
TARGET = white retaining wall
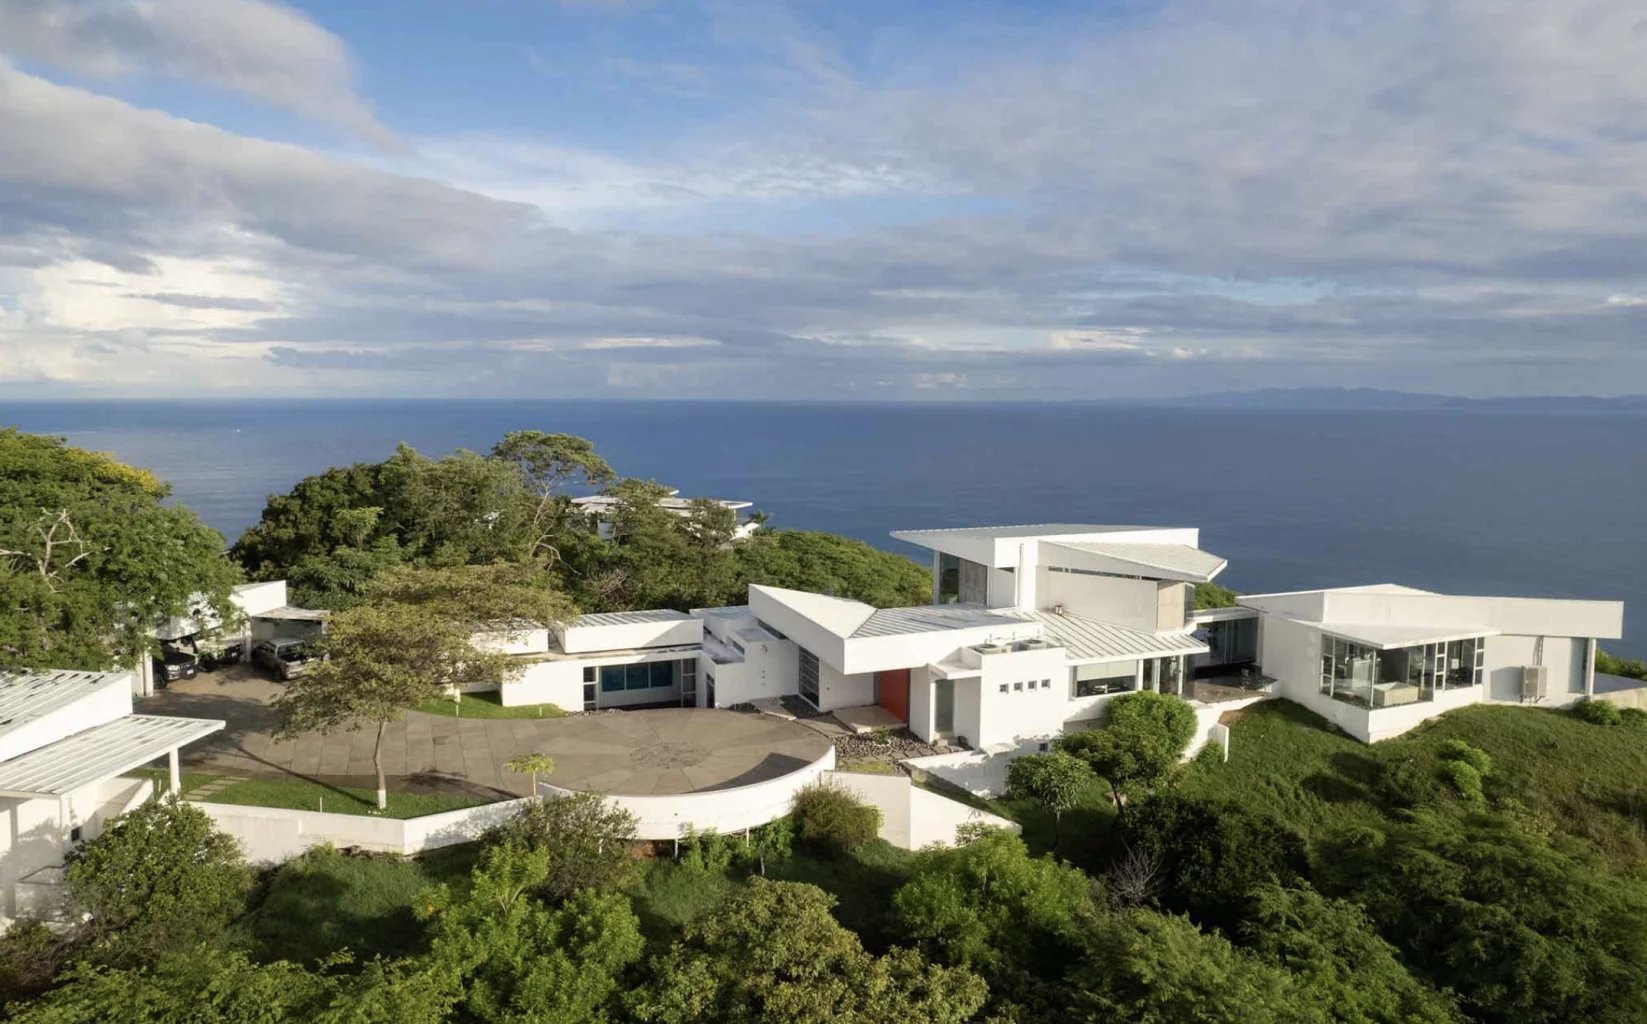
x: 274, y: 834
x: 723, y: 810
x: 912, y: 817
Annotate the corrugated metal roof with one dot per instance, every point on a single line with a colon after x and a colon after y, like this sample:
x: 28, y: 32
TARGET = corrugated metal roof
x: 1023, y: 530
x: 288, y: 612
x: 98, y: 753
x: 1179, y: 561
x: 930, y: 619
x: 631, y: 618
x: 1092, y: 640
x: 26, y: 696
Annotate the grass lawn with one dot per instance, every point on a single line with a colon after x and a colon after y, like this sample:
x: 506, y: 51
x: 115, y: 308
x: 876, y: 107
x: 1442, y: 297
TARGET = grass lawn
x: 302, y: 795
x: 324, y: 902
x: 1585, y: 780
x: 869, y: 767
x: 486, y: 705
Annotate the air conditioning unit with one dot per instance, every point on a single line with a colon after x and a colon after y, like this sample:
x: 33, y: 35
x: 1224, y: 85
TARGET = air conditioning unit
x: 1033, y: 644
x: 1533, y: 680
x: 992, y: 648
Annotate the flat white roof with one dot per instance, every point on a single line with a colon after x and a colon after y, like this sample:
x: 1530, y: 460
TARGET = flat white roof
x: 98, y: 753
x: 673, y: 503
x: 292, y: 613
x: 1019, y: 530
x: 1152, y: 561
x: 931, y: 619
x: 998, y: 546
x: 630, y: 618
x: 1388, y: 635
x: 1093, y: 640
x: 27, y: 696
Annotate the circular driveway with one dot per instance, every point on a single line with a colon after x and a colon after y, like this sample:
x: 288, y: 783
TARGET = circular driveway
x: 668, y: 751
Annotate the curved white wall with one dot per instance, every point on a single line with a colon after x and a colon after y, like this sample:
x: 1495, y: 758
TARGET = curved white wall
x: 723, y: 810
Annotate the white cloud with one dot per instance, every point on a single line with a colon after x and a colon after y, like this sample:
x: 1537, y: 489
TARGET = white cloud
x: 264, y: 50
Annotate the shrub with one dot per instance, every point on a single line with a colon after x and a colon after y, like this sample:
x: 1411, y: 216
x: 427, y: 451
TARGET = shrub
x: 1212, y: 853
x: 1054, y: 779
x: 590, y: 842
x: 1405, y: 783
x: 1599, y: 712
x: 833, y: 819
x: 1139, y: 746
x: 1475, y: 757
x: 1464, y: 778
x: 1635, y: 718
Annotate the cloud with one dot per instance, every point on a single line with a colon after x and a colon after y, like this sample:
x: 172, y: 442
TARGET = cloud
x: 1445, y: 195
x: 259, y: 49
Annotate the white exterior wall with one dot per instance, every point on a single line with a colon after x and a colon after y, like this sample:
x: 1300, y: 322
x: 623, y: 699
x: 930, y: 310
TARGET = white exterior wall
x: 630, y: 635
x: 1124, y: 602
x: 274, y: 834
x: 557, y: 682
x: 723, y: 810
x: 1564, y: 660
x: 920, y: 703
x: 769, y: 669
x: 35, y: 837
x: 839, y: 690
x: 1018, y: 715
x: 908, y: 650
x: 527, y: 640
x: 109, y: 701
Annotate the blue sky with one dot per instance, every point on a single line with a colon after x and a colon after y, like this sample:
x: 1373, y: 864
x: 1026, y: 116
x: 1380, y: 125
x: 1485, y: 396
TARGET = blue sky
x: 813, y: 200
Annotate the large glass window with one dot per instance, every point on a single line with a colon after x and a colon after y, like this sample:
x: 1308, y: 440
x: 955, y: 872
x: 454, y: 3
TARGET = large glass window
x: 1164, y: 675
x: 1373, y: 678
x: 949, y: 579
x: 1095, y: 680
x: 611, y: 678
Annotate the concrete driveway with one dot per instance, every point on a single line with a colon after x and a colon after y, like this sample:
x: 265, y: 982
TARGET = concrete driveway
x: 428, y: 752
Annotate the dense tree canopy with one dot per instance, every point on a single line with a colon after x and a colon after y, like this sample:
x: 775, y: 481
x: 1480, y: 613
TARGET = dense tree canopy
x: 335, y: 531
x: 91, y: 557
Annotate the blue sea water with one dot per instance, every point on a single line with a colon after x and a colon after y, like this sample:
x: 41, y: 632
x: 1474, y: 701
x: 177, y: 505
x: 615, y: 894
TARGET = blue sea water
x: 1538, y: 504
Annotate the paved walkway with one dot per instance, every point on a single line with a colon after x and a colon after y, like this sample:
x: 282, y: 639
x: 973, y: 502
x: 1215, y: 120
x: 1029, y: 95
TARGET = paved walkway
x: 685, y: 749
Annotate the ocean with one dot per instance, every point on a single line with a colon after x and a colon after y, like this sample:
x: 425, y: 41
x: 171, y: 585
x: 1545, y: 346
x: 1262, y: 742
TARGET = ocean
x: 1537, y: 504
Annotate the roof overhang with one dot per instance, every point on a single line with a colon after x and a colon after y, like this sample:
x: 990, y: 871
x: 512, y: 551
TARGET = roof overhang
x: 1386, y: 636
x: 99, y: 753
x: 1184, y: 563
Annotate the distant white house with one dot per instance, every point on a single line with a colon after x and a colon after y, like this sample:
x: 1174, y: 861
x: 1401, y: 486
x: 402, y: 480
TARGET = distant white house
x: 1032, y: 630
x: 65, y: 740
x: 601, y: 507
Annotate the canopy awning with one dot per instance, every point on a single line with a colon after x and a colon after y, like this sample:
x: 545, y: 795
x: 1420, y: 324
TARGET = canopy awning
x: 101, y: 752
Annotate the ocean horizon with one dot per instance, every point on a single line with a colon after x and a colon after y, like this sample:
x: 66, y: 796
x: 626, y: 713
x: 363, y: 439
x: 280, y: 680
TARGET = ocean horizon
x: 1468, y: 501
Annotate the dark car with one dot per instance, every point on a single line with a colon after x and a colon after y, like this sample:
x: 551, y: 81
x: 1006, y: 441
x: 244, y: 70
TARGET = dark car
x: 285, y: 659
x: 214, y: 653
x: 171, y: 664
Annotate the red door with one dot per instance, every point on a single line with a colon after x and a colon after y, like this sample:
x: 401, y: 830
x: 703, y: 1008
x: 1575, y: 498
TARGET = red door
x: 892, y: 692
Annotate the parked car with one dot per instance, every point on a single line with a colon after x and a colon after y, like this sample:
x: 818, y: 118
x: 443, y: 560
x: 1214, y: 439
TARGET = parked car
x: 172, y: 664
x: 284, y: 659
x: 213, y: 652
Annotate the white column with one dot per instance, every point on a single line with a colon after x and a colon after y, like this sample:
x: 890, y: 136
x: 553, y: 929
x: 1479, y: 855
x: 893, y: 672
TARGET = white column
x: 937, y: 575
x: 176, y: 774
x: 1029, y: 564
x: 1590, y: 667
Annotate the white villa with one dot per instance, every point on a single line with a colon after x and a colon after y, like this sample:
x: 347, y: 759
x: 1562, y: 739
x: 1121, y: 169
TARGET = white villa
x: 600, y: 506
x: 65, y: 740
x: 1032, y: 629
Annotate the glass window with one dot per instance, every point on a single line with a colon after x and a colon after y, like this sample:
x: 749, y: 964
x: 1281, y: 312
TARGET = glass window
x: 638, y: 677
x: 611, y: 678
x: 589, y: 673
x: 809, y: 676
x: 1018, y: 687
x: 663, y: 674
x: 1003, y: 687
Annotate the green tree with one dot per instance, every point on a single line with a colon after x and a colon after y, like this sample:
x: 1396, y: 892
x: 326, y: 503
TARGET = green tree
x: 161, y: 877
x: 1149, y: 967
x: 773, y: 954
x: 1333, y: 951
x: 519, y: 961
x: 413, y: 641
x: 1211, y: 595
x: 1212, y: 854
x: 1054, y: 779
x: 825, y: 563
x: 91, y: 559
x: 533, y: 764
x: 831, y: 818
x: 1520, y: 928
x: 589, y: 842
x: 989, y: 906
x: 1140, y: 745
x: 551, y: 463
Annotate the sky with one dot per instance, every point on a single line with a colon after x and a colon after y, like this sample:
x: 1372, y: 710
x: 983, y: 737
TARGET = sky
x: 821, y: 199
